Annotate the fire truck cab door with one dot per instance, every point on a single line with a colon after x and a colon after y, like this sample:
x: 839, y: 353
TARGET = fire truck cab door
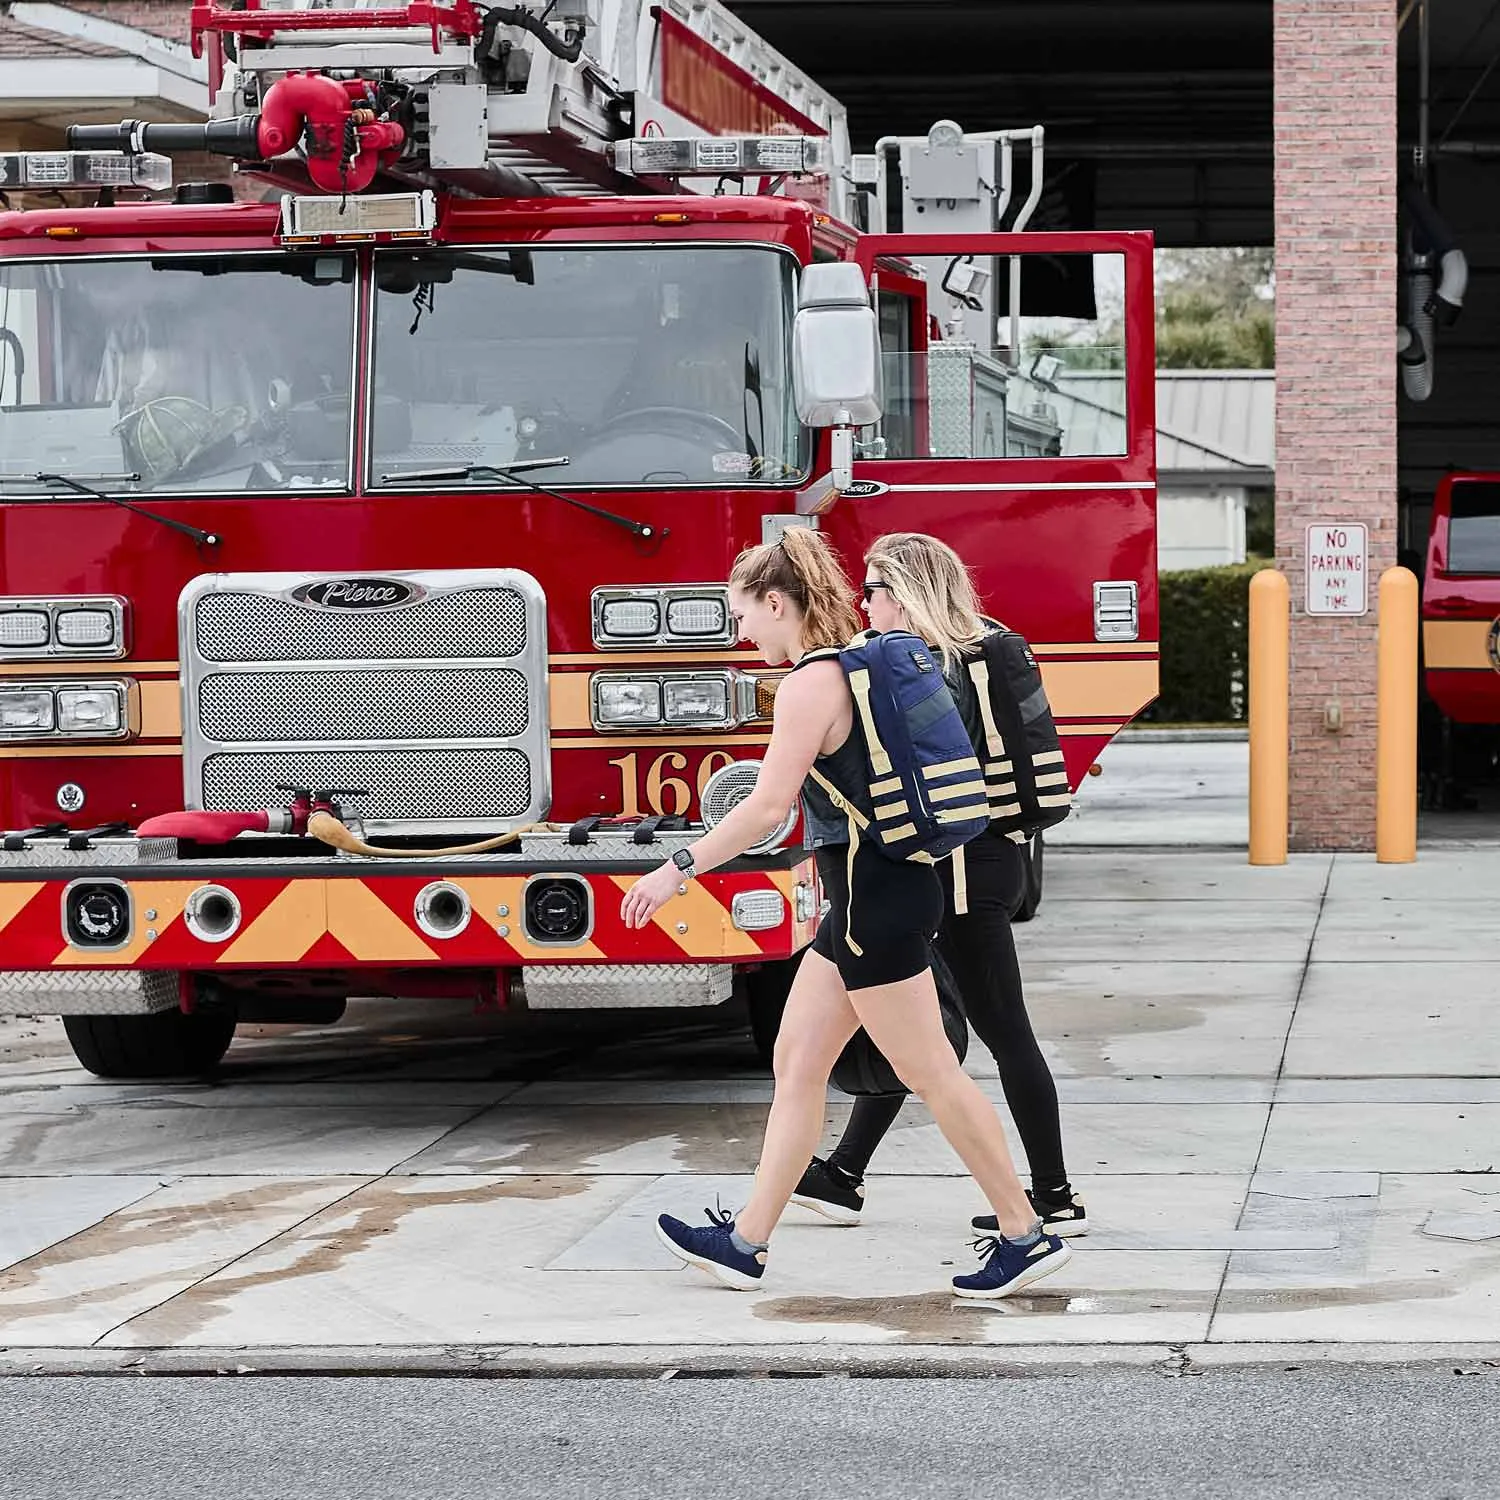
x: 1019, y: 426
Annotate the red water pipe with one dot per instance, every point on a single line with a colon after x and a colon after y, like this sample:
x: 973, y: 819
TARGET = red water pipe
x: 335, y: 121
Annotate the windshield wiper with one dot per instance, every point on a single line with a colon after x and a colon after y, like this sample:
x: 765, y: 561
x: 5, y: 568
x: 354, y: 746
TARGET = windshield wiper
x: 512, y: 476
x: 201, y: 537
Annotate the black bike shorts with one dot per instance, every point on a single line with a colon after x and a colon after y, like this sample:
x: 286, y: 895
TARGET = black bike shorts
x: 892, y: 914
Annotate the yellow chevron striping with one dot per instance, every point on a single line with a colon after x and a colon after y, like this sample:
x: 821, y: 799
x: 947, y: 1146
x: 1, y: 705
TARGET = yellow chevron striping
x: 488, y: 893
x: 13, y: 899
x: 368, y: 928
x: 710, y: 933
x: 296, y: 918
x: 165, y: 897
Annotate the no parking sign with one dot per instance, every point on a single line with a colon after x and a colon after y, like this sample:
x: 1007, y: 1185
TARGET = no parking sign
x: 1337, y: 568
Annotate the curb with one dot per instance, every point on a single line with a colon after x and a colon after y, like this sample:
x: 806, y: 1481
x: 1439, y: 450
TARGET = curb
x: 638, y: 1362
x: 1141, y: 735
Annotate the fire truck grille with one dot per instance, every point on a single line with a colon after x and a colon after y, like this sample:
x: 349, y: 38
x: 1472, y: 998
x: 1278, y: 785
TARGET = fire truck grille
x: 436, y: 709
x: 438, y: 704
x: 423, y: 786
x: 235, y: 626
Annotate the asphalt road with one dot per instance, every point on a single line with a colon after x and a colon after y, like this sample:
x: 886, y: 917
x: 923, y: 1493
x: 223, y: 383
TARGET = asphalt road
x: 1326, y: 1432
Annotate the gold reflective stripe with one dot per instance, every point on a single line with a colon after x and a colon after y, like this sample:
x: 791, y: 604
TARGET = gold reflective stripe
x: 892, y: 810
x: 1053, y: 778
x: 884, y: 788
x: 859, y: 685
x: 960, y: 883
x: 949, y: 793
x: 1006, y: 809
x: 1002, y: 789
x: 980, y: 672
x: 951, y: 767
x: 1060, y: 799
x: 857, y: 820
x: 999, y: 768
x: 899, y: 832
x: 839, y: 800
x: 961, y: 814
x: 1048, y: 758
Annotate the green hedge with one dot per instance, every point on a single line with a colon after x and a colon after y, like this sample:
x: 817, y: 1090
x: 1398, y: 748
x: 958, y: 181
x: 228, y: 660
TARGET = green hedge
x: 1204, y: 615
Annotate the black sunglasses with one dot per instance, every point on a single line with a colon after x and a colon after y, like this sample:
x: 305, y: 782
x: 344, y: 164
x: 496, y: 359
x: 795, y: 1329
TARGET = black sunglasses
x: 869, y: 586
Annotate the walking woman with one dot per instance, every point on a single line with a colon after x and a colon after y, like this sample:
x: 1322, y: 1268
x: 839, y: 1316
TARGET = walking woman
x: 788, y: 599
x: 919, y: 584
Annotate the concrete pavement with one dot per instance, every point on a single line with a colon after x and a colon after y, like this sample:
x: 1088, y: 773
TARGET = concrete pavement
x: 1281, y: 1095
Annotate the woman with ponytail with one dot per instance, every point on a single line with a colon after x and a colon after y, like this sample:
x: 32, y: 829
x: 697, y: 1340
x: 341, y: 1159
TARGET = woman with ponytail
x: 790, y: 599
x: 916, y: 582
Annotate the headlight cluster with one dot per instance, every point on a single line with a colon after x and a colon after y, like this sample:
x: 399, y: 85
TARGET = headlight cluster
x: 691, y: 615
x: 701, y: 700
x: 80, y: 628
x: 65, y: 710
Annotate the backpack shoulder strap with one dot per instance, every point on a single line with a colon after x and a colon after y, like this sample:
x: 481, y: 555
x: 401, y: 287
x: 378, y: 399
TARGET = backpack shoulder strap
x: 979, y: 675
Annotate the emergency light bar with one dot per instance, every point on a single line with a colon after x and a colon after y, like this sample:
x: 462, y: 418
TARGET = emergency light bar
x: 398, y: 216
x: 85, y: 169
x: 721, y: 155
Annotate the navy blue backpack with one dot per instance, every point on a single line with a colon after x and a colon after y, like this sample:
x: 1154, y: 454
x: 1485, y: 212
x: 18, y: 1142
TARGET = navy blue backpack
x: 926, y: 786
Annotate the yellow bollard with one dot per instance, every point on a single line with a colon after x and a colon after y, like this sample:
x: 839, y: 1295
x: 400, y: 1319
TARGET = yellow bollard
x: 1396, y: 720
x: 1270, y: 743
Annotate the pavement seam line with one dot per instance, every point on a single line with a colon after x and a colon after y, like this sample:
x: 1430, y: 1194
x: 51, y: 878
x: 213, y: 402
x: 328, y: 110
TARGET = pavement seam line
x: 47, y: 1249
x: 234, y: 1260
x: 1286, y: 1041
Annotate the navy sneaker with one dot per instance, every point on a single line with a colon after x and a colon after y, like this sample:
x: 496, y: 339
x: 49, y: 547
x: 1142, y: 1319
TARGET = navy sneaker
x: 712, y: 1250
x: 829, y: 1190
x: 1009, y: 1266
x: 1062, y: 1214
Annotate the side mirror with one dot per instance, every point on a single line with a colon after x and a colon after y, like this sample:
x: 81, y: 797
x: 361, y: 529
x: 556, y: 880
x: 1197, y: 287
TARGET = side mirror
x: 836, y: 358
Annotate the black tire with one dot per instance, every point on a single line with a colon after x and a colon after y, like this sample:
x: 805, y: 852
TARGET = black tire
x: 766, y: 989
x: 1031, y: 855
x: 167, y: 1044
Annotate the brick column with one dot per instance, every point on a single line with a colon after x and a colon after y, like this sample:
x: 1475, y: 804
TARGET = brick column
x: 1335, y: 379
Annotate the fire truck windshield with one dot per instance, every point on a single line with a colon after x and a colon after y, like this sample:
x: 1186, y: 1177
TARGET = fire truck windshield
x: 647, y: 366
x: 186, y: 374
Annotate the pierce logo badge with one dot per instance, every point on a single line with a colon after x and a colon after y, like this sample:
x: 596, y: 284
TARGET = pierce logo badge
x: 358, y: 593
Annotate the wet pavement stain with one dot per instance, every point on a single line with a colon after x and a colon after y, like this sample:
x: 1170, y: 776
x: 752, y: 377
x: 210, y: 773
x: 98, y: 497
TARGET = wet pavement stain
x: 1316, y: 1298
x: 941, y: 1318
x: 324, y: 1242
x: 698, y: 1139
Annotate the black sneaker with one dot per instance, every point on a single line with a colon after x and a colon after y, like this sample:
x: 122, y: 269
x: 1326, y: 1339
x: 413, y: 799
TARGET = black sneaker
x: 831, y: 1191
x: 1062, y: 1214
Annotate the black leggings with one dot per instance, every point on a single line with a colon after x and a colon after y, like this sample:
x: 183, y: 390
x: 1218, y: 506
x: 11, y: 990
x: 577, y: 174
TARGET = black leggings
x: 981, y: 951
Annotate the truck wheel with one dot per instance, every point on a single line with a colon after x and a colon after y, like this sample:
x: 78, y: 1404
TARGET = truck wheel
x: 167, y: 1044
x: 766, y: 989
x: 1032, y: 857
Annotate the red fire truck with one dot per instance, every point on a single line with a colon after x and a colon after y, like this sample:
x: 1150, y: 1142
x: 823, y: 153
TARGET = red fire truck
x: 389, y: 489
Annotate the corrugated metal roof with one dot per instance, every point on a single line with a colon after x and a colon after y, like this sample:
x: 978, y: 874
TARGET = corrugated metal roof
x: 1207, y: 421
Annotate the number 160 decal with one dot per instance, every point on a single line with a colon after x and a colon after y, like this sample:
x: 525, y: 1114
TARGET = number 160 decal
x: 662, y: 790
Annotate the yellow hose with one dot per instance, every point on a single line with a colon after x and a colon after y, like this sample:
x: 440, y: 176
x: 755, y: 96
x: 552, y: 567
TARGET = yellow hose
x: 329, y: 830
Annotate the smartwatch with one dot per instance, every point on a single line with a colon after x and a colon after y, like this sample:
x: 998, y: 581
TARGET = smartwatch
x: 683, y: 859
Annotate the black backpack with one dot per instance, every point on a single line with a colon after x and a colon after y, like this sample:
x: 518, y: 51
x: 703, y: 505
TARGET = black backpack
x: 1019, y: 749
x: 862, y: 1067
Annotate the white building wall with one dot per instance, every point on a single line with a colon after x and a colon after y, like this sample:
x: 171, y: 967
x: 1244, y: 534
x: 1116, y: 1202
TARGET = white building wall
x: 1200, y: 526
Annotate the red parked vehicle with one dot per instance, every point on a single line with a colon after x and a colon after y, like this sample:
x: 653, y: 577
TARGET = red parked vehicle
x: 399, y: 509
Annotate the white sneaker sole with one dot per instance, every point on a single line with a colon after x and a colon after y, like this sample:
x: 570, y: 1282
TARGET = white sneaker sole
x: 738, y: 1280
x: 1033, y: 1272
x: 833, y: 1212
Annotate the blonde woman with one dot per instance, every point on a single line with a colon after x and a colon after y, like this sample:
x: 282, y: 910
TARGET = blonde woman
x: 915, y: 582
x: 788, y: 599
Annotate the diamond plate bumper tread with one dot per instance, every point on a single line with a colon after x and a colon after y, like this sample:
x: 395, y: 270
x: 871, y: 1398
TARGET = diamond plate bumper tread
x: 87, y: 992
x: 618, y: 986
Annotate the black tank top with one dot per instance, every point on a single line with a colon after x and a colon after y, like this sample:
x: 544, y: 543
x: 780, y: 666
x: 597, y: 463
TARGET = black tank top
x: 848, y: 769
